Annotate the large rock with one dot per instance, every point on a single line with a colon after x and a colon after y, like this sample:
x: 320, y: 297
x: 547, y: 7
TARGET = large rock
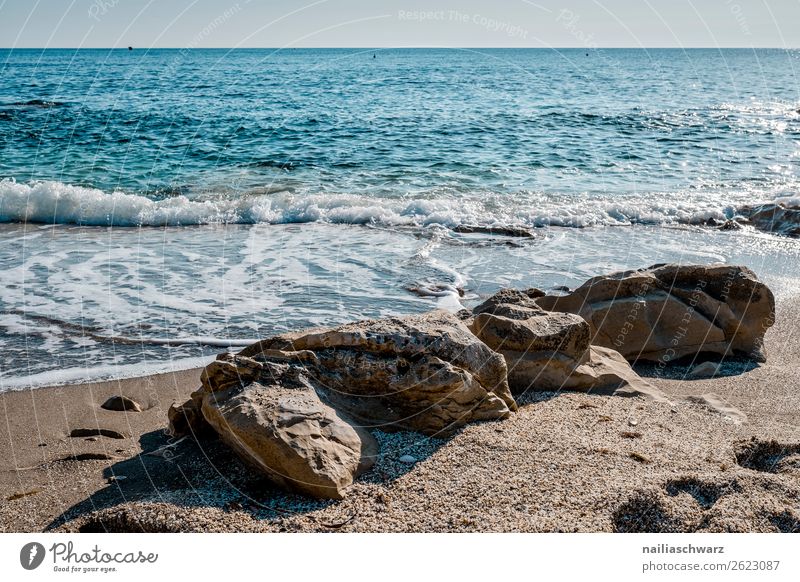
x: 667, y: 312
x: 551, y: 351
x: 290, y: 405
x: 423, y: 372
x: 279, y: 425
x: 775, y: 218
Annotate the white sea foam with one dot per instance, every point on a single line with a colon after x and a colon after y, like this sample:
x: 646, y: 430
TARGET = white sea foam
x: 50, y: 202
x: 81, y: 375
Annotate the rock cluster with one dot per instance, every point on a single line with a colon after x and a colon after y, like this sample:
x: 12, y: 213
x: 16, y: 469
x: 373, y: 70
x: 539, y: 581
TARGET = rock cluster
x: 775, y: 218
x: 668, y: 312
x: 299, y: 406
x: 550, y: 351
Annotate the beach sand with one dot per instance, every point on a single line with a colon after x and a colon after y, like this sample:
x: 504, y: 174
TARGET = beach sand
x: 564, y: 462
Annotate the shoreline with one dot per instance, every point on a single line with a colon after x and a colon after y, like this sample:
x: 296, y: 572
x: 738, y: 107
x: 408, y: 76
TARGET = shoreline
x: 589, y: 464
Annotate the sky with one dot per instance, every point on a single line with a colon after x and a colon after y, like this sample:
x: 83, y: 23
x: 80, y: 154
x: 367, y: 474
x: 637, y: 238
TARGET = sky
x: 399, y: 23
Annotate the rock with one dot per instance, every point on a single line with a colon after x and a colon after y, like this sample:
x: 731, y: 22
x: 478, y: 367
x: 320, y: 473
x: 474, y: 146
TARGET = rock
x: 551, y: 351
x: 730, y: 225
x: 228, y: 371
x: 509, y: 301
x: 606, y: 371
x: 185, y: 419
x: 408, y: 459
x: 279, y: 425
x: 512, y: 231
x: 704, y: 370
x: 91, y: 432
x: 423, y: 372
x: 121, y: 403
x: 540, y: 332
x: 290, y: 405
x: 774, y: 218
x: 667, y: 312
x: 225, y: 372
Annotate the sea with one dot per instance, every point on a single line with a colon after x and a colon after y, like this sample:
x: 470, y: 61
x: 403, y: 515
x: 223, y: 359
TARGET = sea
x: 158, y: 207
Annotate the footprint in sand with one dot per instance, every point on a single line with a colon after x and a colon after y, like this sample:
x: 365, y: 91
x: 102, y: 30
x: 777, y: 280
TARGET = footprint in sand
x: 768, y: 456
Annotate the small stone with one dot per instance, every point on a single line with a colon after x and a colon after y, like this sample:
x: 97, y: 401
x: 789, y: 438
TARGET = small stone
x: 408, y: 459
x: 633, y: 422
x: 704, y: 370
x: 121, y: 404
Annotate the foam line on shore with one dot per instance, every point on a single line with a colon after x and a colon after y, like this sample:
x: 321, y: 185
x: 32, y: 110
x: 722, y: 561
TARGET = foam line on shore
x: 81, y: 375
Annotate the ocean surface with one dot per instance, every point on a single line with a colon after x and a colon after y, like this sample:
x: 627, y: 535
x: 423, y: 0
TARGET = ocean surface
x: 157, y: 207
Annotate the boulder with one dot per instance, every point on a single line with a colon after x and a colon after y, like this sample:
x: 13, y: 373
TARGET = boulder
x: 551, y: 351
x: 291, y: 405
x: 667, y: 312
x: 279, y: 425
x: 423, y: 372
x: 775, y: 218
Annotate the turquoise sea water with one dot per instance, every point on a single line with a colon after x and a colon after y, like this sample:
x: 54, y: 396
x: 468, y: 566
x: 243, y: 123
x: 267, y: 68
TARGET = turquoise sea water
x: 158, y: 205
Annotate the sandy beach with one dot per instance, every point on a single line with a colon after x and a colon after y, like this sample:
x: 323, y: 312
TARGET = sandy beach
x: 563, y: 462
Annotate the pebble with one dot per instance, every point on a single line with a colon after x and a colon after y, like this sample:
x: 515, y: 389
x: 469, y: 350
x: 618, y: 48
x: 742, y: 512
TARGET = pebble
x: 122, y: 404
x: 706, y: 369
x: 408, y: 459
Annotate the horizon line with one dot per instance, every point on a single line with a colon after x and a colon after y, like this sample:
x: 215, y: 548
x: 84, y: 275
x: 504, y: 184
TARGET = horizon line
x: 415, y: 47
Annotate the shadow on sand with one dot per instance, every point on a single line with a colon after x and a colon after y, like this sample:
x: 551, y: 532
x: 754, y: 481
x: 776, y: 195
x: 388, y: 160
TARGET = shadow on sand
x: 205, y: 473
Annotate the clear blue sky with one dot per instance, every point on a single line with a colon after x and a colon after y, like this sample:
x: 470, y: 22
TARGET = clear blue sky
x: 393, y: 23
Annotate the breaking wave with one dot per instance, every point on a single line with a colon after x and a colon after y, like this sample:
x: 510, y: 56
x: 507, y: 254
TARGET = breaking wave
x: 52, y: 202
